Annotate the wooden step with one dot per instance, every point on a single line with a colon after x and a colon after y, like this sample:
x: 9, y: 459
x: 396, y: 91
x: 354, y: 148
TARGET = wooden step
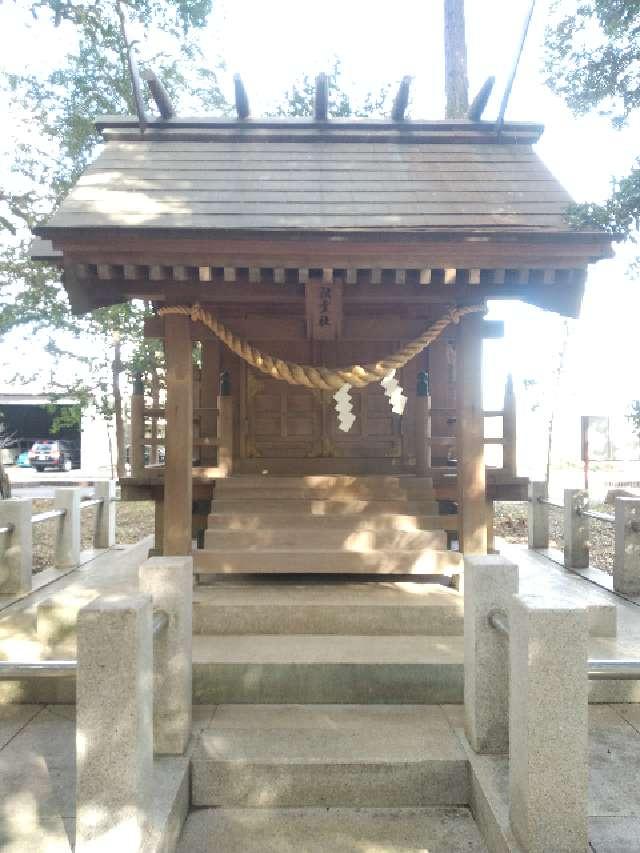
x: 295, y: 538
x: 428, y: 562
x: 267, y: 520
x: 326, y: 507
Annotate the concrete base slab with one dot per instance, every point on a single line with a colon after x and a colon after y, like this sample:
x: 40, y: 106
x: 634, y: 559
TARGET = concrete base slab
x: 312, y: 669
x: 438, y: 829
x: 328, y: 756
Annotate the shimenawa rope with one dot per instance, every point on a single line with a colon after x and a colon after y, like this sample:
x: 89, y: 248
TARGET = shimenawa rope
x: 324, y: 378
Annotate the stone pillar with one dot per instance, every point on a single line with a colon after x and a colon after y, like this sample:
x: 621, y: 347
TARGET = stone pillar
x: 423, y: 425
x: 538, y: 521
x: 576, y: 530
x: 68, y: 536
x: 178, y: 474
x: 169, y: 580
x: 548, y: 766
x: 105, y: 533
x: 626, y: 569
x: 470, y: 437
x: 15, y: 547
x: 114, y: 724
x: 225, y: 424
x: 490, y: 583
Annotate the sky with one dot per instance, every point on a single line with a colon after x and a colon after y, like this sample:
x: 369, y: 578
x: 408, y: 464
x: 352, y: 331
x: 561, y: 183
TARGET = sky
x: 273, y: 43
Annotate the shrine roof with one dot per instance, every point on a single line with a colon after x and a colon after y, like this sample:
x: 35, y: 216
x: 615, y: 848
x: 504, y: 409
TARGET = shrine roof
x: 307, y: 176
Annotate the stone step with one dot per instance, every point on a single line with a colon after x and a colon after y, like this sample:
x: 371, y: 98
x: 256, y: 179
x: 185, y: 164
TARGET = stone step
x: 326, y: 507
x: 268, y: 520
x: 323, y: 756
x: 428, y: 562
x: 379, y: 609
x: 310, y: 669
x: 333, y: 538
x: 437, y: 829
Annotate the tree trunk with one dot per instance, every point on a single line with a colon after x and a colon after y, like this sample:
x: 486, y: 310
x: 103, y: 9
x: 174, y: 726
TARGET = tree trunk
x: 117, y: 407
x: 455, y: 60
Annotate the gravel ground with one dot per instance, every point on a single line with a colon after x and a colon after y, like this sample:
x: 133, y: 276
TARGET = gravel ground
x: 134, y: 519
x: 511, y: 524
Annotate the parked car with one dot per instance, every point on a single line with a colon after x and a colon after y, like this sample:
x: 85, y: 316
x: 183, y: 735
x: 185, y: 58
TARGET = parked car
x: 23, y: 460
x: 49, y: 453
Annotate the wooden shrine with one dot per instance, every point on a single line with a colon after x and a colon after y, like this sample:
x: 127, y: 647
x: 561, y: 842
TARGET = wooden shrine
x: 324, y: 243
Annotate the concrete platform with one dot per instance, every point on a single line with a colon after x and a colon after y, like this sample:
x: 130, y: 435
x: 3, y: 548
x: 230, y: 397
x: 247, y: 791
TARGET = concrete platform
x: 312, y: 669
x: 264, y: 606
x: 438, y: 829
x: 357, y: 756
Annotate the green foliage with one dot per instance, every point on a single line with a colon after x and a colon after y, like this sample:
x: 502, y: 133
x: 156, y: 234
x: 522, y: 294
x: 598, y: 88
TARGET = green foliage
x: 592, y: 61
x: 64, y: 417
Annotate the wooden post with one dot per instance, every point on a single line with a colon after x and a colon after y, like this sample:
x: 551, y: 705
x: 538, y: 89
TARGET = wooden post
x: 179, y: 436
x: 423, y: 425
x: 209, y: 382
x: 225, y: 424
x: 470, y: 437
x: 137, y: 428
x: 509, y: 462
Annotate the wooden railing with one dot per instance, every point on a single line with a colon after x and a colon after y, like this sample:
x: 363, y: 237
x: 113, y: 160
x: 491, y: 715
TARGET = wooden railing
x: 220, y: 438
x: 425, y: 440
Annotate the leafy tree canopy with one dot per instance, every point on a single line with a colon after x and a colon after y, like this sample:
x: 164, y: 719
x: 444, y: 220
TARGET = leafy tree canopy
x: 593, y: 62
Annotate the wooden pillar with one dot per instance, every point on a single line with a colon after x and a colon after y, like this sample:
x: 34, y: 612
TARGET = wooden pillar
x: 470, y: 437
x: 159, y: 527
x: 423, y: 425
x: 225, y: 425
x: 179, y: 436
x: 209, y: 381
x: 137, y: 428
x: 509, y: 462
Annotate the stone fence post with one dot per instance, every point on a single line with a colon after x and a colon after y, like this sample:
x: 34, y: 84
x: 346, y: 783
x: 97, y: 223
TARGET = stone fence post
x: 548, y: 744
x: 490, y: 583
x: 114, y: 735
x: 538, y: 526
x: 68, y: 536
x: 626, y: 569
x: 169, y: 580
x: 105, y: 532
x: 15, y: 547
x: 576, y: 530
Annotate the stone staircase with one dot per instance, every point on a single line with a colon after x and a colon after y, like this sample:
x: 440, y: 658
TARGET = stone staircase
x: 325, y: 728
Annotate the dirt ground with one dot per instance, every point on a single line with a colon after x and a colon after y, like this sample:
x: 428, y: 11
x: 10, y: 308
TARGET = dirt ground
x: 134, y: 519
x: 511, y: 524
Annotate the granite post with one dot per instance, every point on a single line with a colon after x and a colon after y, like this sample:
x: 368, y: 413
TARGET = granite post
x: 548, y: 706
x: 576, y: 530
x: 105, y: 532
x: 490, y: 583
x: 15, y: 546
x: 169, y: 580
x: 68, y: 536
x: 114, y: 740
x: 538, y: 526
x: 626, y: 568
